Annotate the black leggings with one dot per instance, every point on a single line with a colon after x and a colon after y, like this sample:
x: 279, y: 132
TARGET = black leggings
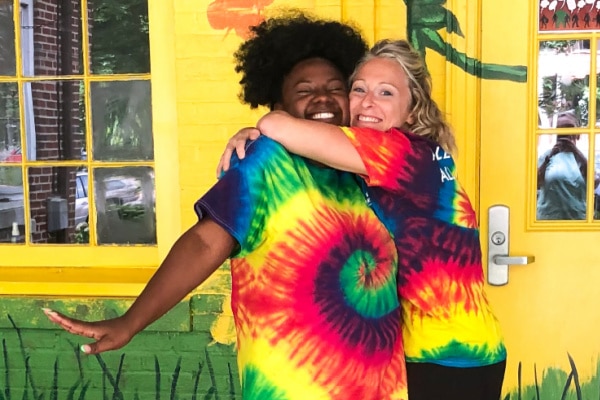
x: 428, y: 381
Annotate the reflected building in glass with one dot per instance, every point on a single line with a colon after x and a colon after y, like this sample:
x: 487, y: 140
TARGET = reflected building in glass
x: 65, y: 119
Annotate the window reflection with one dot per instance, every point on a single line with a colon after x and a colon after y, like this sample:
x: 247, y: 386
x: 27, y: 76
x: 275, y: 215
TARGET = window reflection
x: 54, y: 204
x: 597, y: 179
x: 12, y: 215
x: 7, y: 40
x: 562, y: 174
x: 10, y: 124
x: 564, y: 81
x: 51, y: 37
x: 124, y: 202
x: 122, y: 121
x: 52, y: 111
x: 56, y: 129
x: 119, y: 40
x: 597, y: 97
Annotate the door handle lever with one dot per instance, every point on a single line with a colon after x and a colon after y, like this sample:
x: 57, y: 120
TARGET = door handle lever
x: 514, y: 260
x: 498, y: 249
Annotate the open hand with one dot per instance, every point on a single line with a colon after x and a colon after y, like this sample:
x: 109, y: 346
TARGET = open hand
x: 109, y: 334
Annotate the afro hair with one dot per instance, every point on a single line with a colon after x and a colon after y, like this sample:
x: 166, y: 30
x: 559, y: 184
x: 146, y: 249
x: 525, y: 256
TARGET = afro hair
x: 277, y: 44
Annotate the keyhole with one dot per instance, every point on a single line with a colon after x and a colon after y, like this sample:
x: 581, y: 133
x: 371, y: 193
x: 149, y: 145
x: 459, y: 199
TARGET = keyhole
x: 498, y: 238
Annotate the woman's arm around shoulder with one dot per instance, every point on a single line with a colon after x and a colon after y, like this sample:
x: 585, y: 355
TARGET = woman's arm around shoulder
x: 316, y: 140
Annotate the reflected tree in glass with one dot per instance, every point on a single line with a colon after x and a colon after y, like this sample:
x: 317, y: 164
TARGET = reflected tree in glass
x: 119, y: 40
x: 7, y: 40
x: 563, y: 80
x: 122, y: 121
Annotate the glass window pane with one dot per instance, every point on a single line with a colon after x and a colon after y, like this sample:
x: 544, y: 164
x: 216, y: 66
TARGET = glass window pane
x: 51, y: 38
x: 122, y: 121
x: 563, y: 80
x: 124, y: 199
x: 596, y: 98
x: 119, y: 41
x: 12, y: 215
x: 54, y: 120
x: 10, y: 125
x: 7, y: 40
x: 597, y: 179
x: 562, y: 177
x: 58, y: 214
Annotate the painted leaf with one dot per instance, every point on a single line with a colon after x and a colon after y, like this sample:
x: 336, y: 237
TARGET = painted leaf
x: 431, y: 16
x: 516, y: 73
x: 433, y: 40
x: 453, y: 24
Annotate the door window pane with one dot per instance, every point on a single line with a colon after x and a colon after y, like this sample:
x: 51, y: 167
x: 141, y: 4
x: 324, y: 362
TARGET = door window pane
x: 597, y: 179
x: 562, y: 175
x: 563, y: 81
x: 596, y: 98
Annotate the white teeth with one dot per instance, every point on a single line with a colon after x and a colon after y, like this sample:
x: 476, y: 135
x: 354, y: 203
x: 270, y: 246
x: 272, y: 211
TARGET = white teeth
x: 364, y: 118
x: 323, y: 115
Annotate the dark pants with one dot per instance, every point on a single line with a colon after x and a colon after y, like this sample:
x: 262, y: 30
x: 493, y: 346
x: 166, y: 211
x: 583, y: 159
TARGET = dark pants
x: 428, y: 381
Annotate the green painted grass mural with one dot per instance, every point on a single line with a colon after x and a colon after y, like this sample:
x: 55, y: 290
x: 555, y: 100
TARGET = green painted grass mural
x: 27, y: 386
x: 556, y: 384
x: 170, y: 360
x: 70, y: 375
x: 424, y: 20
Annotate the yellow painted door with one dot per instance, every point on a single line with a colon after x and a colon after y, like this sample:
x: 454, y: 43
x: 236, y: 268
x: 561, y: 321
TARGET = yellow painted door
x: 550, y: 309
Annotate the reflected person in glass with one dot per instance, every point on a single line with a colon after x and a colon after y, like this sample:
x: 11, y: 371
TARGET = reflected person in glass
x: 562, y: 177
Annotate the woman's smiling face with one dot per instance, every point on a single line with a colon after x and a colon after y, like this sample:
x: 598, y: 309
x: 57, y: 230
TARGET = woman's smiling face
x: 380, y: 96
x: 315, y: 89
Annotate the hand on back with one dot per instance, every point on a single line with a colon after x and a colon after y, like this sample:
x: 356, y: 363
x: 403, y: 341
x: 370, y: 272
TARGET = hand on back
x: 237, y: 143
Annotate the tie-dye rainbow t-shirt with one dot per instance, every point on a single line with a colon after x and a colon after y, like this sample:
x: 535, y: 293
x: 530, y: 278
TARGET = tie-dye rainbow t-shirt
x: 411, y: 185
x: 313, y: 281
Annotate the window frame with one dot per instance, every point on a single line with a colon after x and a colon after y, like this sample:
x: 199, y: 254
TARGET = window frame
x: 109, y: 270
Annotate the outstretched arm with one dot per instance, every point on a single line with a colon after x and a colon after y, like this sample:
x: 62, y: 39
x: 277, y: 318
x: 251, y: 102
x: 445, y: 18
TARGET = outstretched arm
x: 192, y: 259
x: 316, y: 140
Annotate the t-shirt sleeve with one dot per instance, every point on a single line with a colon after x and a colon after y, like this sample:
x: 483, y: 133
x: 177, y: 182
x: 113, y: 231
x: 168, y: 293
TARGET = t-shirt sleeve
x: 394, y: 161
x: 238, y: 201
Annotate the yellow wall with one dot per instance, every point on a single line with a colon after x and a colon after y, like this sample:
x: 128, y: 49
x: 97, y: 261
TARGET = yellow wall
x: 209, y: 111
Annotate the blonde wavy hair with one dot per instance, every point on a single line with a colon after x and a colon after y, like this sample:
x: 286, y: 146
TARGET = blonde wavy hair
x: 428, y: 119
